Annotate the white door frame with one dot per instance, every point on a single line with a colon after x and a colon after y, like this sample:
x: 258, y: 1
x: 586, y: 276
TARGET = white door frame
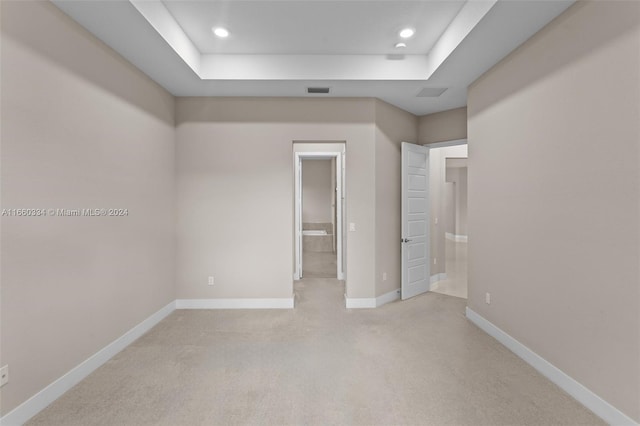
x: 298, y: 157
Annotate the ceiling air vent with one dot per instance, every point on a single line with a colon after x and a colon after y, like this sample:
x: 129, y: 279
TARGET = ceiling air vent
x: 431, y: 92
x: 324, y: 90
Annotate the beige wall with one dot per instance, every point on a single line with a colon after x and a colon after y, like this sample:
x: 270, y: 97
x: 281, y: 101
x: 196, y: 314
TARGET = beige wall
x: 235, y: 159
x: 240, y: 150
x: 443, y: 126
x: 557, y: 242
x: 317, y: 191
x: 393, y: 126
x: 81, y: 128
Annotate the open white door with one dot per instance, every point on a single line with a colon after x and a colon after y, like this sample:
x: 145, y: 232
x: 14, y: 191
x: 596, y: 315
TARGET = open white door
x: 415, y: 220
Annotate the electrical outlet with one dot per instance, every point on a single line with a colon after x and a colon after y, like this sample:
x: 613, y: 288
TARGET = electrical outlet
x: 487, y: 298
x: 352, y: 227
x: 384, y: 276
x: 210, y: 281
x: 4, y: 375
x: 435, y: 261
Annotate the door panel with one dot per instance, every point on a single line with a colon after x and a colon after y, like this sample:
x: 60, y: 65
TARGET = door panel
x: 416, y: 251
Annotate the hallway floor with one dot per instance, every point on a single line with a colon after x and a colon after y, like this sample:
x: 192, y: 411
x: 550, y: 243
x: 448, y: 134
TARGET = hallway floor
x: 317, y: 264
x: 456, y: 269
x: 417, y: 362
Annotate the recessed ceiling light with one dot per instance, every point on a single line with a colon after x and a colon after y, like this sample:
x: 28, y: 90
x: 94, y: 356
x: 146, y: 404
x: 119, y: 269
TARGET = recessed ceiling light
x: 221, y: 32
x: 400, y: 45
x: 407, y: 33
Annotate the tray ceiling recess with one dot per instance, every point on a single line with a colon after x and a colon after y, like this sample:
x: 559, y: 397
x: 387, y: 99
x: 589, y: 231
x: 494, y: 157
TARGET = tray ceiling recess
x: 403, y: 52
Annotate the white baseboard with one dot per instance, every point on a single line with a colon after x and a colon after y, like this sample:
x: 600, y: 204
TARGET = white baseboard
x: 22, y: 413
x: 456, y: 238
x: 438, y: 277
x: 360, y: 303
x: 387, y: 297
x: 372, y: 302
x: 285, y: 303
x: 593, y: 402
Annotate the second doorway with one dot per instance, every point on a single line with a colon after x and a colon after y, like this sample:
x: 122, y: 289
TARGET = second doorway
x: 319, y: 218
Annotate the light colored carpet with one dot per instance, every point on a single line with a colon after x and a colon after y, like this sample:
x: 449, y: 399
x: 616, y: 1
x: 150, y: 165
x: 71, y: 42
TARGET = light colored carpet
x: 319, y: 264
x: 417, y: 362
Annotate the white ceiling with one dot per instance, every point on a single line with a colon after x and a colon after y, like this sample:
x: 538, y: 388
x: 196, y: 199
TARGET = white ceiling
x: 313, y: 27
x: 279, y: 48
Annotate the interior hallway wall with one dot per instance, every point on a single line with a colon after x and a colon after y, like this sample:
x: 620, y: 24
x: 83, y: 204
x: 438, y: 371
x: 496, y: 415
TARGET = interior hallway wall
x: 554, y: 197
x: 81, y: 128
x: 317, y: 191
x: 443, y: 126
x: 393, y: 126
x: 235, y: 191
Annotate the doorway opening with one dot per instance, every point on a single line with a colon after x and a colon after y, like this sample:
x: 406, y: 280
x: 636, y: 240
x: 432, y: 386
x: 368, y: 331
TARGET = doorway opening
x: 448, y: 201
x: 319, y: 256
x: 319, y: 212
